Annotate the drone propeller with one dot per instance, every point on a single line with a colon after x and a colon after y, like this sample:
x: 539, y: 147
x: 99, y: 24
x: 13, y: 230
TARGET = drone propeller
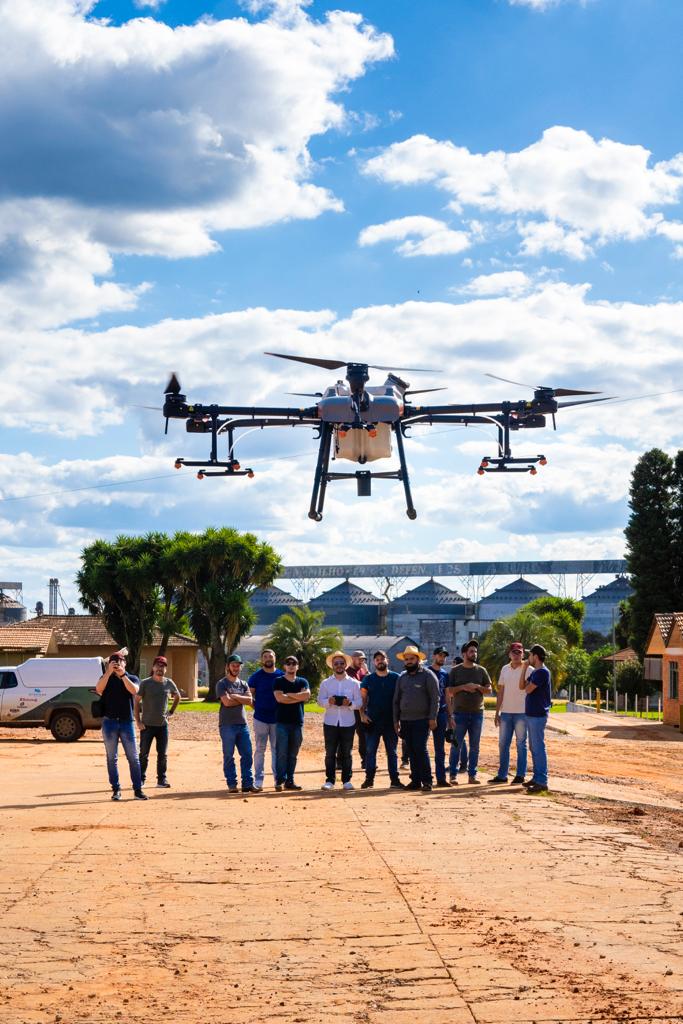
x: 305, y: 394
x: 585, y: 401
x: 423, y: 391
x: 337, y: 364
x: 557, y: 392
x: 173, y: 386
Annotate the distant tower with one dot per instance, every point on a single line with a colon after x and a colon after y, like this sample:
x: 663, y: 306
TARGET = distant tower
x: 52, y: 601
x: 39, y: 608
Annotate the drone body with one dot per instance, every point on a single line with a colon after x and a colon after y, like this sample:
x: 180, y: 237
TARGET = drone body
x: 357, y: 423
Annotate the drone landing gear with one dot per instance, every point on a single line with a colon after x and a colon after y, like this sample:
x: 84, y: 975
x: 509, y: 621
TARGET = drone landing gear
x: 363, y: 477
x: 231, y: 468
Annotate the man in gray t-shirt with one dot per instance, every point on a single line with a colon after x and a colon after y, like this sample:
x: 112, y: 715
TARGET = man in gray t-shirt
x: 467, y: 684
x: 234, y: 694
x: 152, y: 713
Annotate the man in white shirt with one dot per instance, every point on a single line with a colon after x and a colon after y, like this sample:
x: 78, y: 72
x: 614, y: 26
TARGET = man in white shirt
x: 510, y: 717
x: 340, y: 695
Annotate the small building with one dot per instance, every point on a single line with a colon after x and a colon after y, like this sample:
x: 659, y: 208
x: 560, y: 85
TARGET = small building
x: 350, y: 608
x: 506, y: 601
x: 602, y: 606
x: 433, y: 613
x: 85, y: 636
x: 665, y: 645
x: 270, y: 603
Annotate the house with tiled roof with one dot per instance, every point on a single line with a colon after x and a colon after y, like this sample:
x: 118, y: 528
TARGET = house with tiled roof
x: 665, y: 646
x: 86, y: 636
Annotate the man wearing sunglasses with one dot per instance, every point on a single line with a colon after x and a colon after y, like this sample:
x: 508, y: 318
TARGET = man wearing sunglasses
x: 291, y: 693
x: 118, y: 689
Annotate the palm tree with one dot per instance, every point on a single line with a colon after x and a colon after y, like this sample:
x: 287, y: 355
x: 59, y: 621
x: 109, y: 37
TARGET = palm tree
x: 301, y: 632
x: 529, y: 629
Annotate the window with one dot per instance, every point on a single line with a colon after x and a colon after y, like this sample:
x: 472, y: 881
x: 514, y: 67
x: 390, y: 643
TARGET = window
x: 7, y: 680
x: 673, y: 680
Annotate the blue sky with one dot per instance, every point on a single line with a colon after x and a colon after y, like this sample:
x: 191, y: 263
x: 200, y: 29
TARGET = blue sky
x: 478, y: 186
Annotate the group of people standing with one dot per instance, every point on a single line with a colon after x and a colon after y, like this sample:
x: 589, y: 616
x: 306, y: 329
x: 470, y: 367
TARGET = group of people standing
x: 378, y: 706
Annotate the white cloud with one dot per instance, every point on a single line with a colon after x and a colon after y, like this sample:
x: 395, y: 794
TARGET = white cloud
x: 505, y: 282
x: 147, y: 139
x: 434, y: 237
x: 569, y: 192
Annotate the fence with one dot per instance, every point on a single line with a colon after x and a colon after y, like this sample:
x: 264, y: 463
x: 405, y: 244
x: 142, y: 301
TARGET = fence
x: 588, y: 699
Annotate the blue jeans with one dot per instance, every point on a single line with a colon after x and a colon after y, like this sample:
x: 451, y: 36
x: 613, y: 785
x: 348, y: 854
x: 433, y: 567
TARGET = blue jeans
x: 112, y: 731
x: 511, y: 722
x: 470, y: 724
x: 457, y: 752
x: 439, y: 738
x: 536, y: 732
x: 232, y: 736
x: 289, y: 738
x: 381, y: 731
x: 416, y: 735
x: 264, y: 733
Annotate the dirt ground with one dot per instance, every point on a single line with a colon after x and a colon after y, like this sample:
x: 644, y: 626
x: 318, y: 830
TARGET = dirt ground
x: 472, y: 904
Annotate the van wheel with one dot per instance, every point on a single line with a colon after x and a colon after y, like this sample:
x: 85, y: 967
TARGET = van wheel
x: 66, y: 727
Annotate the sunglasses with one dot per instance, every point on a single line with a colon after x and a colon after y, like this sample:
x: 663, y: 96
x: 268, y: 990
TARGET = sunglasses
x: 290, y: 661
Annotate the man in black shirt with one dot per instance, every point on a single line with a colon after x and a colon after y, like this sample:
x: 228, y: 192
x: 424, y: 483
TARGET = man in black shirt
x: 377, y: 714
x: 117, y: 689
x: 291, y: 693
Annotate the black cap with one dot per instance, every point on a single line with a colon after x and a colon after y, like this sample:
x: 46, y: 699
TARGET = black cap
x: 440, y: 650
x: 469, y: 643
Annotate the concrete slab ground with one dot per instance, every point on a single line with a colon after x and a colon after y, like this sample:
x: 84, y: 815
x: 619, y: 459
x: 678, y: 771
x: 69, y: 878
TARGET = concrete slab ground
x: 464, y: 905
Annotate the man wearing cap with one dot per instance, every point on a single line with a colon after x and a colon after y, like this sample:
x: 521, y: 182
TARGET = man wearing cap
x: 264, y: 721
x: 358, y: 669
x: 377, y: 690
x: 510, y: 716
x: 537, y: 687
x: 291, y: 693
x: 152, y: 714
x: 416, y: 703
x: 467, y: 684
x: 457, y: 759
x: 118, y: 688
x: 234, y: 695
x: 340, y: 695
x: 439, y: 656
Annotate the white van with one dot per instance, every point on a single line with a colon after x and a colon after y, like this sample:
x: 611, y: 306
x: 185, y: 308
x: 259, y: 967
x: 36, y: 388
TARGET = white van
x: 57, y: 693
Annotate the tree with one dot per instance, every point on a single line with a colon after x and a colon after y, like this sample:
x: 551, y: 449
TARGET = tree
x: 649, y: 537
x: 592, y: 640
x: 119, y: 582
x: 601, y: 672
x: 623, y: 627
x: 300, y: 631
x: 578, y: 663
x: 217, y: 571
x: 677, y: 528
x: 564, y: 612
x: 631, y: 680
x: 529, y: 629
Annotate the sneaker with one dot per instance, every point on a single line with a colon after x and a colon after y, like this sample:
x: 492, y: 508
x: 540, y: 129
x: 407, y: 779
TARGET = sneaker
x: 348, y: 785
x: 427, y: 787
x: 139, y: 795
x: 292, y: 785
x: 405, y: 764
x: 257, y: 789
x: 367, y: 784
x: 529, y: 783
x: 454, y: 780
x: 442, y: 784
x: 249, y: 789
x: 232, y: 789
x: 278, y: 787
x: 472, y: 780
x: 462, y: 768
x: 397, y: 784
x: 327, y: 785
x: 518, y: 780
x: 413, y: 786
x: 116, y: 794
x: 496, y: 781
x: 163, y: 784
x: 536, y: 787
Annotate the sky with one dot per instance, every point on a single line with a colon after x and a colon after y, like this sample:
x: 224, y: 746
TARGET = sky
x: 472, y: 186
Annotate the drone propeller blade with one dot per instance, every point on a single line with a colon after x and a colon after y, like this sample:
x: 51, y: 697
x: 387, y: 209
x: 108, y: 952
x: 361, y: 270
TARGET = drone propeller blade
x: 423, y: 391
x: 653, y: 394
x: 557, y: 392
x: 506, y: 380
x: 562, y: 392
x: 155, y: 408
x: 404, y: 369
x: 173, y: 386
x: 326, y: 364
x: 585, y: 401
x: 305, y: 394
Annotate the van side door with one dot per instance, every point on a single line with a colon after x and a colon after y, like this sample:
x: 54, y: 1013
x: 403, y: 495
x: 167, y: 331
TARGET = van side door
x: 9, y: 695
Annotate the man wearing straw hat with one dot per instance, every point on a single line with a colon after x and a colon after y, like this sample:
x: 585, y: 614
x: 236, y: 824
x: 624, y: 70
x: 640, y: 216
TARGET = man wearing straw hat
x: 340, y: 695
x: 416, y: 703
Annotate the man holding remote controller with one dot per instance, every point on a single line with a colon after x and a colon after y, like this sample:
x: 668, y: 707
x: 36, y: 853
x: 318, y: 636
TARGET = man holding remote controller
x: 340, y: 695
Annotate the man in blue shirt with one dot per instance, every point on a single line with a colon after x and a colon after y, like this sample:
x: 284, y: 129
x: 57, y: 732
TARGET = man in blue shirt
x: 377, y: 715
x: 265, y: 715
x: 536, y: 709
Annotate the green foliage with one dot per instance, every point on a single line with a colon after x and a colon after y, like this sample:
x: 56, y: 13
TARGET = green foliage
x: 623, y: 626
x: 529, y: 629
x: 650, y: 537
x: 564, y: 612
x: 631, y: 680
x: 601, y: 673
x: 300, y: 631
x: 119, y: 582
x: 592, y: 640
x: 578, y: 663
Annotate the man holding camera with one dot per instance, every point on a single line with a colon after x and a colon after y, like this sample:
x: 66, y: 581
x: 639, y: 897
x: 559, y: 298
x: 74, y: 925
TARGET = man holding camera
x: 152, y: 714
x: 340, y: 695
x: 117, y: 689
